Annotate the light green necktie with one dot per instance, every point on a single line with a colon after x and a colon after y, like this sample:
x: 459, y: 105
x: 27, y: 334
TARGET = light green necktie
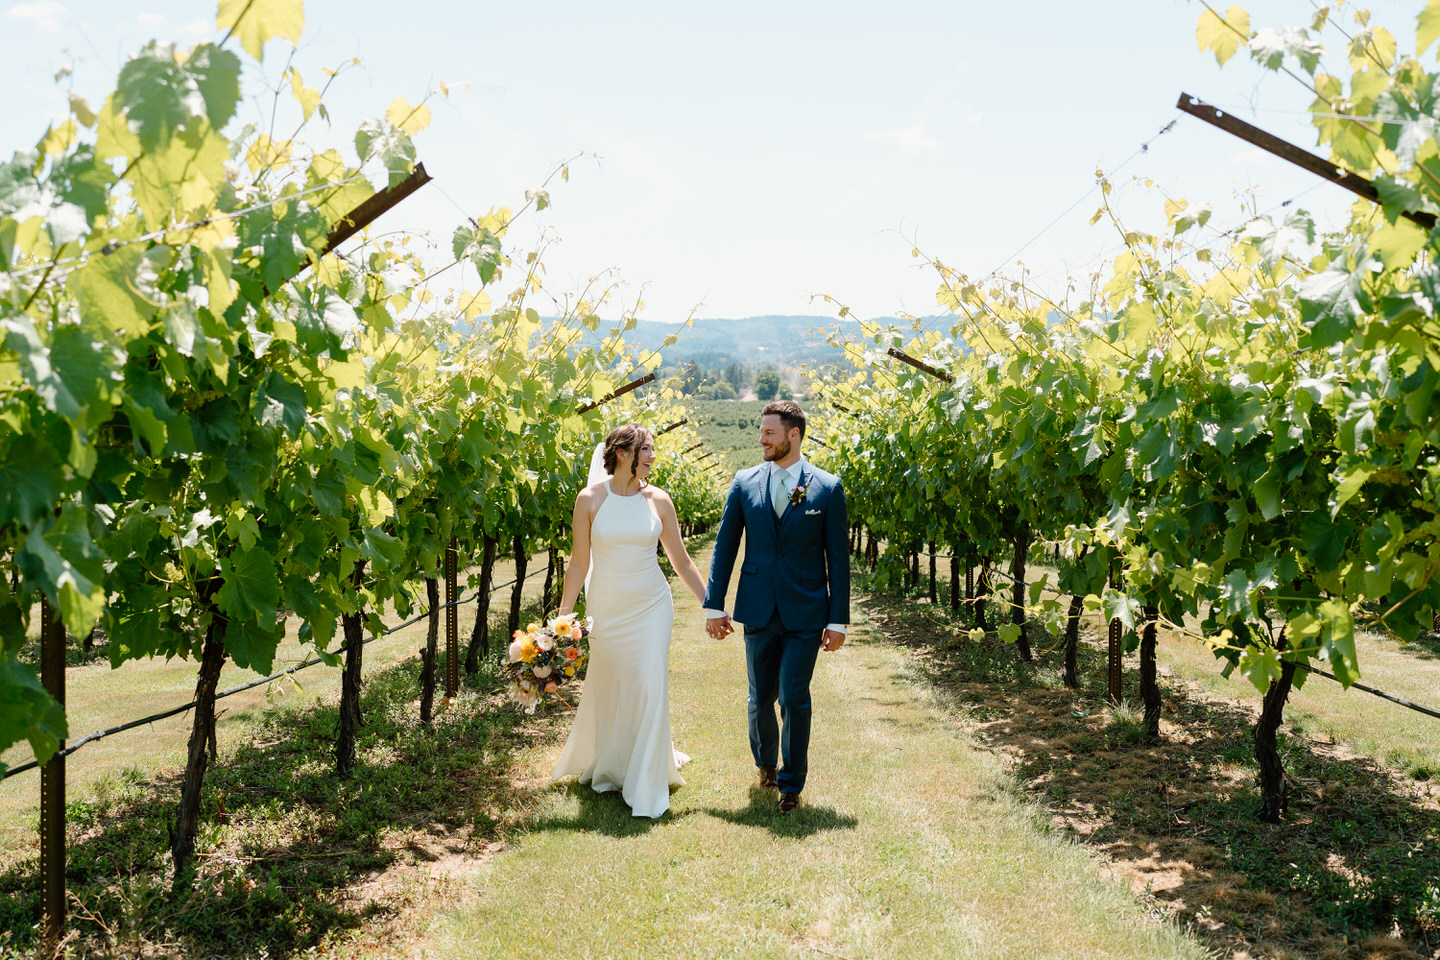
x: 782, y: 492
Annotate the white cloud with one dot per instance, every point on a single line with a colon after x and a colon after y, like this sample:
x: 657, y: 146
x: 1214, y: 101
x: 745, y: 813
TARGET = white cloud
x: 909, y: 139
x: 151, y: 20
x: 197, y: 28
x: 46, y: 14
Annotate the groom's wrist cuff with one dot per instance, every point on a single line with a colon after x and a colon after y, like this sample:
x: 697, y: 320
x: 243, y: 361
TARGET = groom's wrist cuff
x: 713, y: 614
x: 839, y: 627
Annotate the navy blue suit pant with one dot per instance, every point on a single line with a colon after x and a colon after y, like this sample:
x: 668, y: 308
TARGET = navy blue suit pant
x: 780, y: 663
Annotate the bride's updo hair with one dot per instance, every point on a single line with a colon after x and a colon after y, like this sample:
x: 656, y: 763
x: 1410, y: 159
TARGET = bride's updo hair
x: 630, y: 437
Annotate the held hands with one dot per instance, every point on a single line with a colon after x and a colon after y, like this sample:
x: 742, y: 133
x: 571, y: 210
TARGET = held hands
x: 719, y: 627
x: 832, y: 640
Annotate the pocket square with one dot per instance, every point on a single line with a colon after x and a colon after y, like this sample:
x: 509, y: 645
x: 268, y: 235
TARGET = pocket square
x: 812, y: 513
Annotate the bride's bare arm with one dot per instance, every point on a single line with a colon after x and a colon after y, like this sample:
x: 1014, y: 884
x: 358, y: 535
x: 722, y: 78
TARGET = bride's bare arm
x: 675, y: 546
x: 579, y: 564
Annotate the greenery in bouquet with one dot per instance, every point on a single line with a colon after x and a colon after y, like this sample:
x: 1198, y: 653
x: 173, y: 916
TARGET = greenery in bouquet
x: 543, y: 658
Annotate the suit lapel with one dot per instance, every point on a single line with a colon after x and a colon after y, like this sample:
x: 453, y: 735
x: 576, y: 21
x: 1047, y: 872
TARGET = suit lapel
x: 767, y: 500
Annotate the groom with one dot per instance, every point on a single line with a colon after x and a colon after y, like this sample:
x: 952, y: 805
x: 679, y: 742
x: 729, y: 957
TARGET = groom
x: 794, y: 590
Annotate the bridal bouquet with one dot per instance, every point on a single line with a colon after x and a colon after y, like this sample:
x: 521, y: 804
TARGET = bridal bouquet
x: 543, y: 658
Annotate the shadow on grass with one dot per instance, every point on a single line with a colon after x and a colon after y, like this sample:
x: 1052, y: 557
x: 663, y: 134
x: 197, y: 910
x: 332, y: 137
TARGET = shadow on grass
x: 604, y: 812
x: 763, y: 812
x: 1425, y: 646
x: 286, y: 846
x: 1354, y: 871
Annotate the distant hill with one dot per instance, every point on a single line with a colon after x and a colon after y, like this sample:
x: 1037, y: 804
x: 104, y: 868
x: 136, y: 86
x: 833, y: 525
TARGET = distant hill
x: 753, y: 341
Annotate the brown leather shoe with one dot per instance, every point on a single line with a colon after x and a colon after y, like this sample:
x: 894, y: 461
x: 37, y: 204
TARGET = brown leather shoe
x: 789, y: 801
x: 767, y: 778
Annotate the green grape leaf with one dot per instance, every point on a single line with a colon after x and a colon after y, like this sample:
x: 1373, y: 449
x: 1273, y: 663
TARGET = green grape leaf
x: 186, y: 173
x: 1398, y: 243
x: 252, y: 645
x: 1324, y: 540
x: 1115, y: 605
x: 1427, y: 27
x: 28, y: 712
x: 1267, y: 493
x: 481, y: 247
x: 391, y: 145
x: 280, y: 403
x: 75, y: 376
x: 254, y: 22
x: 104, y: 289
x: 72, y: 567
x: 251, y: 591
x: 1260, y: 664
x: 1337, y: 641
x: 1397, y: 195
x: 322, y: 324
x: 215, y: 73
x: 82, y: 181
x: 1223, y: 36
x: 161, y: 95
x: 1332, y: 302
x: 32, y: 475
x: 18, y: 186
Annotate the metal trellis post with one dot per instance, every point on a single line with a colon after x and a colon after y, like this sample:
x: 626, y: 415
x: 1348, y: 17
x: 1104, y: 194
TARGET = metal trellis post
x: 452, y: 623
x: 52, y: 791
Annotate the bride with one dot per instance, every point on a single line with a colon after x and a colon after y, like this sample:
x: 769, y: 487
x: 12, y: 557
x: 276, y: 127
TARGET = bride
x: 621, y: 737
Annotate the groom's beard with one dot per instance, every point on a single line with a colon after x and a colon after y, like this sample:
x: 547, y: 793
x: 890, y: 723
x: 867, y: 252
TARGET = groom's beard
x: 778, y: 450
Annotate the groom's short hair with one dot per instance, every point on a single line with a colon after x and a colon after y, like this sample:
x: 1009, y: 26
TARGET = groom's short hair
x: 790, y: 414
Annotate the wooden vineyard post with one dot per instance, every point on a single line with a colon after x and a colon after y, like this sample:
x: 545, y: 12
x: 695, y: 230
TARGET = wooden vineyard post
x: 452, y: 624
x: 52, y: 791
x: 1113, y: 661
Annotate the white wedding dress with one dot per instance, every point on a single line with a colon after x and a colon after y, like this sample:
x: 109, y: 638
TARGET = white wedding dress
x: 621, y: 737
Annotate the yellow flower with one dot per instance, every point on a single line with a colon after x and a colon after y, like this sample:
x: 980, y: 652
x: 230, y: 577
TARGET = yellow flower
x: 562, y: 628
x: 532, y: 627
x: 569, y: 671
x: 528, y: 650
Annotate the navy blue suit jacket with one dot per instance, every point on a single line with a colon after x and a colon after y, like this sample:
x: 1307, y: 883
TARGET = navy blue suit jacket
x: 798, y: 564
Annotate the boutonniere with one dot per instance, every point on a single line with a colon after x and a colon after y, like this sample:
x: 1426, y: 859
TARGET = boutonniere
x: 797, y: 496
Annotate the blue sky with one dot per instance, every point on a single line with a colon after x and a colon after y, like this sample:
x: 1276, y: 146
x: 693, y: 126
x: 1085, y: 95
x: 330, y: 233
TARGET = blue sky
x: 743, y: 158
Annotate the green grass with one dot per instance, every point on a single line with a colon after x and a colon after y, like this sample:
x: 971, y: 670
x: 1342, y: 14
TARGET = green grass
x: 285, y: 846
x: 962, y: 803
x: 1402, y: 738
x: 911, y: 843
x: 98, y: 697
x: 1352, y: 872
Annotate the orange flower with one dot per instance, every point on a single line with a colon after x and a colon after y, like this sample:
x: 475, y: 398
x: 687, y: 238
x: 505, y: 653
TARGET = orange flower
x: 551, y: 686
x: 572, y: 653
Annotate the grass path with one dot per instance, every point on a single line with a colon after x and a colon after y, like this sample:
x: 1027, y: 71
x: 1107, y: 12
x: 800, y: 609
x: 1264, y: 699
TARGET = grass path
x: 910, y: 844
